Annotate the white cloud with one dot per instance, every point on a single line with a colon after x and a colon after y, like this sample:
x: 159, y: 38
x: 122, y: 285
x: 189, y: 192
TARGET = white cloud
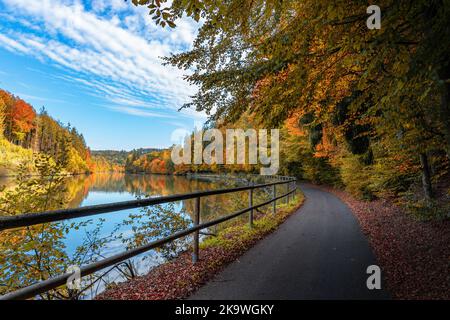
x: 13, y: 45
x: 29, y: 96
x: 138, y: 112
x: 116, y: 55
x: 103, y: 5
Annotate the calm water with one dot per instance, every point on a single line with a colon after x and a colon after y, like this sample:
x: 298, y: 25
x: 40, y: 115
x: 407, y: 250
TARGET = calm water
x: 54, y: 247
x: 116, y: 187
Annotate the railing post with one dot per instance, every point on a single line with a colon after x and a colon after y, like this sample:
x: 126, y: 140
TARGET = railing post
x: 274, y: 192
x: 250, y: 204
x: 196, y: 233
x: 287, y: 191
x: 294, y: 185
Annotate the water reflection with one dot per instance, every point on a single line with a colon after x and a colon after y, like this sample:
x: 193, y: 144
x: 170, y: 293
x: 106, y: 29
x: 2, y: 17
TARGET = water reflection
x: 39, y: 252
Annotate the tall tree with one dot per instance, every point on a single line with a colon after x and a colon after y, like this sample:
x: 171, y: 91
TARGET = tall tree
x: 286, y: 58
x: 2, y: 117
x: 23, y: 116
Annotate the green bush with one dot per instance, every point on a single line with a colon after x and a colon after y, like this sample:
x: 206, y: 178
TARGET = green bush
x: 356, y: 176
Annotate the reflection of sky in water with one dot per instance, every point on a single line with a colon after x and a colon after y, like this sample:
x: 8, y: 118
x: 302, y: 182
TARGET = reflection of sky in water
x: 109, y: 227
x: 75, y: 238
x: 110, y: 188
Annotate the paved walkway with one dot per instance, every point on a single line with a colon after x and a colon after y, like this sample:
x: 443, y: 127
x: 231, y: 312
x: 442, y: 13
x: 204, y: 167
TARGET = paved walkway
x: 317, y: 253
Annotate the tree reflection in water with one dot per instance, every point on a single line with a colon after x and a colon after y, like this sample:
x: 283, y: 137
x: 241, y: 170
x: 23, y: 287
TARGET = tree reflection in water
x: 32, y: 254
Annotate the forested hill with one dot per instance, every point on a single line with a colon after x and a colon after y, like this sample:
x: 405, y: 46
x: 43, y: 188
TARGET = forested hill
x: 112, y: 156
x: 120, y: 157
x: 24, y: 132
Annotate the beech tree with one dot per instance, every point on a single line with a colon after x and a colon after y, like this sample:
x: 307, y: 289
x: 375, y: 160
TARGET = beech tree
x: 283, y: 59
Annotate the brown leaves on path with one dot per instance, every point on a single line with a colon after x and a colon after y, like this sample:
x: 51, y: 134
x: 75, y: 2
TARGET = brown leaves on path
x: 414, y: 256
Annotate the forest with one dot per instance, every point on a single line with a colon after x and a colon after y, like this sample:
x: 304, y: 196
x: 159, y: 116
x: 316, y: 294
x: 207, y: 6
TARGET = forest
x: 24, y: 132
x: 363, y: 109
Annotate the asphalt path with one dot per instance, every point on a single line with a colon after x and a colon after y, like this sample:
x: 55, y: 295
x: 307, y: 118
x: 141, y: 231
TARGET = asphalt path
x: 319, y: 252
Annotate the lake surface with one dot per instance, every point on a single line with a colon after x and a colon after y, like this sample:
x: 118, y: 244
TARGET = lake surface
x: 47, y: 250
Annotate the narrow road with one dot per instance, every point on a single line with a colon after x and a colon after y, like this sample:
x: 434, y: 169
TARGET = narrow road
x: 317, y: 253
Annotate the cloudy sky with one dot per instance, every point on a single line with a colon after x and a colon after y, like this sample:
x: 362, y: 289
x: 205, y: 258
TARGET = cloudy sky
x: 97, y: 65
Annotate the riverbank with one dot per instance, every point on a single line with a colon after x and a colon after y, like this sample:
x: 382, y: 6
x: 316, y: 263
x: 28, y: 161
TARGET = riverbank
x: 414, y: 255
x: 6, y: 175
x: 178, y: 278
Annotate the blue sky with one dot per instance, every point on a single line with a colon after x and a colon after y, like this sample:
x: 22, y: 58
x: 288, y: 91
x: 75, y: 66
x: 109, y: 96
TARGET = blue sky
x: 96, y: 64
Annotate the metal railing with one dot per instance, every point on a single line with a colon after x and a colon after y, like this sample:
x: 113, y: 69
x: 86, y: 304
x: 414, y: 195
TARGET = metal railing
x: 59, y: 215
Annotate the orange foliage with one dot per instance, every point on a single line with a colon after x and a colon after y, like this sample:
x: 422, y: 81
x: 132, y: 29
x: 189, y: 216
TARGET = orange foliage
x: 23, y: 116
x: 326, y: 147
x: 158, y: 166
x: 293, y: 127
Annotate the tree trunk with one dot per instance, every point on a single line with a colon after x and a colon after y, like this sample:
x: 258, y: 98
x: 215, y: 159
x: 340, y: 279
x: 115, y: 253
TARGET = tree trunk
x: 426, y: 177
x: 36, y: 137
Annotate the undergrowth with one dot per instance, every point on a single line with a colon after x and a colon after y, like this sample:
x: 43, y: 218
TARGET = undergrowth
x: 239, y: 234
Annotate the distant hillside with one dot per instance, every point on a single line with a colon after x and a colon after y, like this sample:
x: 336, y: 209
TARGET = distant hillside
x: 112, y: 156
x: 150, y: 161
x: 120, y: 157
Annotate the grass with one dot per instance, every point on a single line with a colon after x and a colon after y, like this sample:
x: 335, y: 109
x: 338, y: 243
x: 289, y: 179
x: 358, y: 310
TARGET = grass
x: 240, y: 233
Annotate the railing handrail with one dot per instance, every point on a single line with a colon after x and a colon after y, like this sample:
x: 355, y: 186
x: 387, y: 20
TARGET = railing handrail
x: 51, y: 283
x: 29, y: 219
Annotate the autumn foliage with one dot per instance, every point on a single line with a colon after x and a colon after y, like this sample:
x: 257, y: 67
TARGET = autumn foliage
x: 22, y: 126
